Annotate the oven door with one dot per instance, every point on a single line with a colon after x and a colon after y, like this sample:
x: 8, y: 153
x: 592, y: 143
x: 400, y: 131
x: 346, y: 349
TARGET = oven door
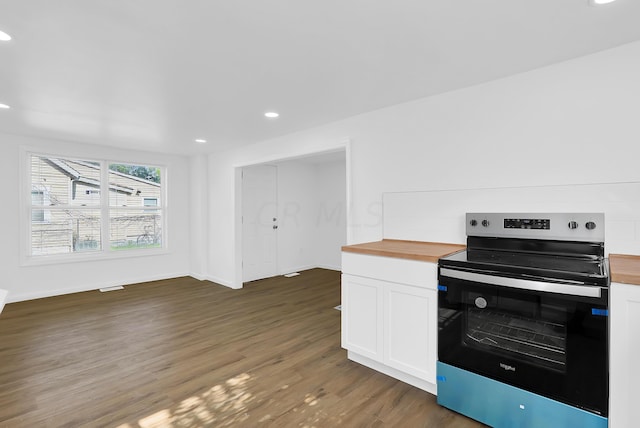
x: 554, y: 344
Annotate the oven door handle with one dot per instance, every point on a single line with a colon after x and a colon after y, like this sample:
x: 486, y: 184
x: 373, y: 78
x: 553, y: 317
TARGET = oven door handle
x: 524, y: 284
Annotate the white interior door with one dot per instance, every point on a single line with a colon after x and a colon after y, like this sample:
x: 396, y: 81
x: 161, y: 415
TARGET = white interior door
x: 259, y: 222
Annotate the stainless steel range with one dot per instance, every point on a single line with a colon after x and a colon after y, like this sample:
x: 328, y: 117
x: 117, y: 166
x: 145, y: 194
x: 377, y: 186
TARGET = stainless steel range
x: 523, y: 321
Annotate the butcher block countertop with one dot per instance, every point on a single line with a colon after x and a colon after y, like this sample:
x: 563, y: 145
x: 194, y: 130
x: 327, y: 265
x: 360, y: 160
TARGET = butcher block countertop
x: 412, y: 250
x: 624, y: 268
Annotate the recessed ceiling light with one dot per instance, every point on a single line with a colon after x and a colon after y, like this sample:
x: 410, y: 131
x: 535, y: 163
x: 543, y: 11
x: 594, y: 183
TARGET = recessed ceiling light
x: 200, y: 140
x: 271, y: 114
x: 4, y: 37
x: 599, y: 2
x: 4, y: 106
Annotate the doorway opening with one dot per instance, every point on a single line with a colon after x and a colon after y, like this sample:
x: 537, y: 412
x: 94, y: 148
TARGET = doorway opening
x: 292, y: 214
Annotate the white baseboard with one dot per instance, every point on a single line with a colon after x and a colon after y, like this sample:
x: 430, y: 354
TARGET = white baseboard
x: 328, y: 267
x: 307, y: 267
x: 295, y: 269
x: 20, y: 297
x: 198, y: 276
x: 217, y: 280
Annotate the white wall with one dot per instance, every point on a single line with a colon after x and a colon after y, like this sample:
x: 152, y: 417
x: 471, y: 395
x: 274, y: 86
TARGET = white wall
x: 411, y: 215
x: 569, y: 123
x: 29, y: 282
x: 312, y: 215
x: 198, y: 209
x: 331, y: 215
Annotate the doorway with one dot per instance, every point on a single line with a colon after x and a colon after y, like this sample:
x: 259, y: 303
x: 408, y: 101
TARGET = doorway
x: 310, y: 210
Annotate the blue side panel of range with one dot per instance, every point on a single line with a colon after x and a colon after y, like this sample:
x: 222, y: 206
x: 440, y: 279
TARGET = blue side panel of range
x: 503, y: 406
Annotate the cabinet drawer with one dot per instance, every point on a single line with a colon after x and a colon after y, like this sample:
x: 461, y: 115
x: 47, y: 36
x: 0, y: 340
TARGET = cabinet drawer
x: 403, y: 271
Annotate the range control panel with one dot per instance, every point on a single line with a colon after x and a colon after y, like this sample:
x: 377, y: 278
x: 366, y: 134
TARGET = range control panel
x: 560, y: 226
x: 527, y: 223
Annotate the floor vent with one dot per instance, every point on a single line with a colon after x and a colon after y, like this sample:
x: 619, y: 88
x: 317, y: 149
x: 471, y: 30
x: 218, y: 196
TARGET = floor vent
x: 289, y: 275
x: 114, y: 288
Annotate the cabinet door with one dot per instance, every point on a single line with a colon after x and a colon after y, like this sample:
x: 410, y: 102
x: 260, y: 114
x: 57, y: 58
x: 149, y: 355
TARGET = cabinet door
x: 410, y: 318
x: 362, y: 316
x: 624, y: 371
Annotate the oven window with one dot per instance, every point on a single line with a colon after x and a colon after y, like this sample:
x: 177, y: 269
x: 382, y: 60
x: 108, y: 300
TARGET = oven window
x: 518, y: 328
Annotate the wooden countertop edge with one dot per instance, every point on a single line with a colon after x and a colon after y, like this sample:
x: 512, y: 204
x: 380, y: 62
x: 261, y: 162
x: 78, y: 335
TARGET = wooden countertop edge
x: 410, y: 250
x: 625, y: 268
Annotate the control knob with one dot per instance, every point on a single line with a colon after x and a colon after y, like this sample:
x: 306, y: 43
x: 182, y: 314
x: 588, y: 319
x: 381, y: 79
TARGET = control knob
x: 473, y: 222
x: 485, y: 223
x: 573, y: 225
x: 590, y: 225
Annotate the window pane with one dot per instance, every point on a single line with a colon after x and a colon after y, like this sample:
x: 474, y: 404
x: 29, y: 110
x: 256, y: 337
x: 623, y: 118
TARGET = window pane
x: 131, y: 185
x: 65, y: 231
x: 37, y: 198
x: 65, y: 181
x: 135, y: 229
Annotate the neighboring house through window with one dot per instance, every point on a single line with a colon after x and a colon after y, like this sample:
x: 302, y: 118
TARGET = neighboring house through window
x: 69, y: 212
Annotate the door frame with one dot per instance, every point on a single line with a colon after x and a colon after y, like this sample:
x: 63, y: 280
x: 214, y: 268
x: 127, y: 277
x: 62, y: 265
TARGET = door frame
x: 344, y: 145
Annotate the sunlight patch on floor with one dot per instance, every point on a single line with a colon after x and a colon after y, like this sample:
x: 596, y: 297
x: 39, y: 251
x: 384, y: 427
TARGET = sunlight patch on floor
x: 227, y: 405
x: 220, y: 402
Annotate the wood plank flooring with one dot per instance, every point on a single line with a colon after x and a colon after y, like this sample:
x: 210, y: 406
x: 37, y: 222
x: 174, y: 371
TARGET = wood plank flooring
x: 186, y: 353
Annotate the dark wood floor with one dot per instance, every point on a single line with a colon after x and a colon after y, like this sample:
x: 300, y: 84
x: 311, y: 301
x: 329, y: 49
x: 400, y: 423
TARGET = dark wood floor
x: 185, y: 353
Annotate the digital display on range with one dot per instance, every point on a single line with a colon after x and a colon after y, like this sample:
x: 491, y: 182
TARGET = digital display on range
x: 527, y: 223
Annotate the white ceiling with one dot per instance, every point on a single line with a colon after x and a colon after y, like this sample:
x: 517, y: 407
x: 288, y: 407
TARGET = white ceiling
x: 156, y: 74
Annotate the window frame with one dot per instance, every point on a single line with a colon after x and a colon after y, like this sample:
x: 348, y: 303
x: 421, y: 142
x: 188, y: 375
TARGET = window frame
x: 105, y: 250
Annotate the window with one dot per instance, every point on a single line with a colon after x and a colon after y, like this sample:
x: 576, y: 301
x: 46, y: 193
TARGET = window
x: 133, y: 222
x: 71, y: 210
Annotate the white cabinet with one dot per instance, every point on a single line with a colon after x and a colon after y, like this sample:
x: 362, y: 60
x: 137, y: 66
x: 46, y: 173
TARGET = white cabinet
x: 389, y: 316
x: 410, y: 317
x: 624, y: 342
x: 362, y: 316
